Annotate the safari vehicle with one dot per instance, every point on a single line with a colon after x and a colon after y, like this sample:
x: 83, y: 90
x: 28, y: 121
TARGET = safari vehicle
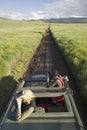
x: 39, y: 81
x: 55, y: 108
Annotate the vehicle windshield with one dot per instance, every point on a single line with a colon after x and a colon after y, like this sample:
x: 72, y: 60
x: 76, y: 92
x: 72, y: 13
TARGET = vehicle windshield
x: 35, y: 84
x: 36, y: 80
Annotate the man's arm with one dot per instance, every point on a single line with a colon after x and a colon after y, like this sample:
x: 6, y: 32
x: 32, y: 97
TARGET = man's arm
x: 28, y: 112
x: 18, y: 111
x: 57, y: 82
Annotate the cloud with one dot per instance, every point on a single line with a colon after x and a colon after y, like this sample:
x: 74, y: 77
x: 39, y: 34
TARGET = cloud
x: 67, y: 8
x: 58, y: 9
x: 22, y: 16
x: 12, y: 15
x: 37, y: 15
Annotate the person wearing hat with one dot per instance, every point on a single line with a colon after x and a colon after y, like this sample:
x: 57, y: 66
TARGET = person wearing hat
x: 25, y: 105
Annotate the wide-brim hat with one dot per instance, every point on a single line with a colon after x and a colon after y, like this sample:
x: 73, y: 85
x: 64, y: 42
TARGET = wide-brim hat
x: 27, y: 94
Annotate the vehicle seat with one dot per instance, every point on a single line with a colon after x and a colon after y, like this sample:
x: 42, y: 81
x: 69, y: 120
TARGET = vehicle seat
x: 39, y: 109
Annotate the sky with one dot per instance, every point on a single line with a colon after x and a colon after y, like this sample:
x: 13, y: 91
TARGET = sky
x: 42, y: 9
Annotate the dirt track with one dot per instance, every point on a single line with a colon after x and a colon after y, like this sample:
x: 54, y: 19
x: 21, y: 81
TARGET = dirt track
x: 47, y: 58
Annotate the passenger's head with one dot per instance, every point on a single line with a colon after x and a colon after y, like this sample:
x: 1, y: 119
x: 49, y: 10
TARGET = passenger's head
x: 27, y: 96
x: 55, y: 73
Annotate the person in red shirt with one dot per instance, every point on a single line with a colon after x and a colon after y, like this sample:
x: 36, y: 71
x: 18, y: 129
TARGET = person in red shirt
x: 57, y: 80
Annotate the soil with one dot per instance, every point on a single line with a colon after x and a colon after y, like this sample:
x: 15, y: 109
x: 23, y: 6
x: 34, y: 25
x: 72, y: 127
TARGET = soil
x: 48, y: 57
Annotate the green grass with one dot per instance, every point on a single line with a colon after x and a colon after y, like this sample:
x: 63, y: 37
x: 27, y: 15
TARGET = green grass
x: 18, y: 41
x: 72, y: 40
x: 18, y: 38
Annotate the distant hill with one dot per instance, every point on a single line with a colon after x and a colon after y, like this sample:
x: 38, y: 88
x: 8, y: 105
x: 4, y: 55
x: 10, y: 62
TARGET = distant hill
x: 66, y: 20
x: 58, y: 20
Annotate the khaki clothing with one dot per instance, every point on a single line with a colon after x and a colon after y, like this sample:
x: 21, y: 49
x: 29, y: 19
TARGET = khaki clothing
x: 25, y: 111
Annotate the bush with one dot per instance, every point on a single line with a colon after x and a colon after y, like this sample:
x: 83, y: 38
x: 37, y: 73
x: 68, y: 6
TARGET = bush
x: 4, y: 68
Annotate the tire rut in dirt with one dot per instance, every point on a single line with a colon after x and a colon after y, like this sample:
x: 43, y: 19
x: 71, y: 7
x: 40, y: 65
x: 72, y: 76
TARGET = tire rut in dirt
x: 48, y: 58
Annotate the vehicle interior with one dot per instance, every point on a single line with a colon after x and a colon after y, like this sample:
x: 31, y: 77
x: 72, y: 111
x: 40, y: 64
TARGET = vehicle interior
x: 53, y: 109
x: 51, y: 104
